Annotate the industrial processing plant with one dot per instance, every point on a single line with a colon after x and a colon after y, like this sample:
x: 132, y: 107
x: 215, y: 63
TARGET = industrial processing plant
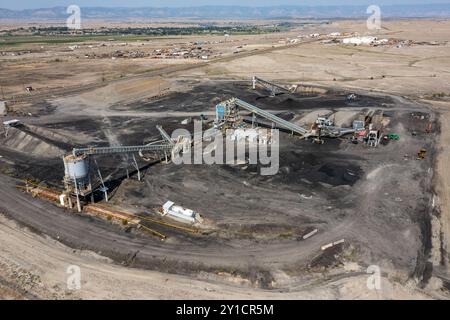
x: 235, y: 157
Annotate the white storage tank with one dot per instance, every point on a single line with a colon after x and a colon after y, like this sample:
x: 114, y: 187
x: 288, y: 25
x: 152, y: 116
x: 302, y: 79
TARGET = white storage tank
x: 76, y: 167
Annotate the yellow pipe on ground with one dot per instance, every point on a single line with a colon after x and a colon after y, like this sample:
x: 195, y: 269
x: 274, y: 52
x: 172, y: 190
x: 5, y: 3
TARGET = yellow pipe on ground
x: 194, y: 231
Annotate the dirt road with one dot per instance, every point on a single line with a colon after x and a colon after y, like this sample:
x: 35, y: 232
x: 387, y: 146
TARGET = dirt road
x: 35, y: 267
x: 442, y: 225
x: 181, y: 257
x: 78, y: 89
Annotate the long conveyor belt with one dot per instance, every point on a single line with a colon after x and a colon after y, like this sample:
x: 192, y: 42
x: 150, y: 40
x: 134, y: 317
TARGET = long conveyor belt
x: 273, y: 118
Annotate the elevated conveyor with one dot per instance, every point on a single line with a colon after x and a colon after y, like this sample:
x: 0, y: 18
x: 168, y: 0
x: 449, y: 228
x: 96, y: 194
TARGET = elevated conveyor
x: 273, y: 87
x: 120, y: 149
x: 269, y: 116
x: 165, y: 135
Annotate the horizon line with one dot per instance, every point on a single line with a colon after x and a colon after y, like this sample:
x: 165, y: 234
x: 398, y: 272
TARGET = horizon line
x: 238, y: 6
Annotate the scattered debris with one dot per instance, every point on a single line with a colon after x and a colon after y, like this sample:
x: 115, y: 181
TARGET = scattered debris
x: 310, y: 234
x: 332, y: 244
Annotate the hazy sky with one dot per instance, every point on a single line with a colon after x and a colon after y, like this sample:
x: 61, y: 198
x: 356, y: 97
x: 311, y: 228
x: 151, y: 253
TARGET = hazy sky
x: 31, y: 4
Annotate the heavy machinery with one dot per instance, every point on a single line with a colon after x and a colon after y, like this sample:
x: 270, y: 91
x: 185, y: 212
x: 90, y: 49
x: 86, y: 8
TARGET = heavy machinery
x: 272, y: 87
x: 322, y: 121
x: 77, y: 179
x: 326, y: 127
x: 394, y: 136
x: 422, y: 154
x: 373, y: 139
x: 227, y: 116
x: 389, y: 137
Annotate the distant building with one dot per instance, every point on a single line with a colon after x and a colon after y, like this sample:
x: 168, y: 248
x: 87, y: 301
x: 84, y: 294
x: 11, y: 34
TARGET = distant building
x: 11, y: 123
x: 359, y: 40
x: 180, y: 213
x: 3, y: 110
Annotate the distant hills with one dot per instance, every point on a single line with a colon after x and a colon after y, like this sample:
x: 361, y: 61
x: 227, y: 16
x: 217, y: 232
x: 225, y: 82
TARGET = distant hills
x: 230, y: 12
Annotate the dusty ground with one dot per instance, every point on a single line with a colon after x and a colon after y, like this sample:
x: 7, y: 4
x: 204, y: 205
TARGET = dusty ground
x: 47, y: 67
x: 42, y: 273
x: 441, y: 224
x: 345, y: 191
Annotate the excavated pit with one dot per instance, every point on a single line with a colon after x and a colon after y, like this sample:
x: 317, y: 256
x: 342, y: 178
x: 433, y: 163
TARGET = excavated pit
x: 374, y: 198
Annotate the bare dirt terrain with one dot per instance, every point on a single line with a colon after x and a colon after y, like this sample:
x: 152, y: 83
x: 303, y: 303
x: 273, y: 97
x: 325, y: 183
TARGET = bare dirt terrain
x: 390, y: 208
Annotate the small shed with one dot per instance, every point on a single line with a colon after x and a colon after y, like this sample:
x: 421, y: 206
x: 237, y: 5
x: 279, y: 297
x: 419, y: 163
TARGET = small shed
x: 179, y: 213
x: 3, y: 110
x: 11, y: 123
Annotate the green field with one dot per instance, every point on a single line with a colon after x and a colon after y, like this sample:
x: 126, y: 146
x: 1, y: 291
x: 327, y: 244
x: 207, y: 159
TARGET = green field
x: 48, y: 36
x: 19, y: 40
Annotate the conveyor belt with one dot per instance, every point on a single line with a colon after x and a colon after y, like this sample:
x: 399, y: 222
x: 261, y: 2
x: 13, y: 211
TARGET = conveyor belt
x: 165, y: 135
x: 270, y: 85
x: 119, y: 149
x: 277, y: 120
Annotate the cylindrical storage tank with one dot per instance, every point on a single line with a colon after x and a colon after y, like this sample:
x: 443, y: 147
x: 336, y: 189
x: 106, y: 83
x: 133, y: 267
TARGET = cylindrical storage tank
x: 220, y: 113
x: 76, y: 167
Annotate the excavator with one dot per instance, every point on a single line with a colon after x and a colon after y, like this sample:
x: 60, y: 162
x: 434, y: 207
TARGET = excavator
x: 422, y: 154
